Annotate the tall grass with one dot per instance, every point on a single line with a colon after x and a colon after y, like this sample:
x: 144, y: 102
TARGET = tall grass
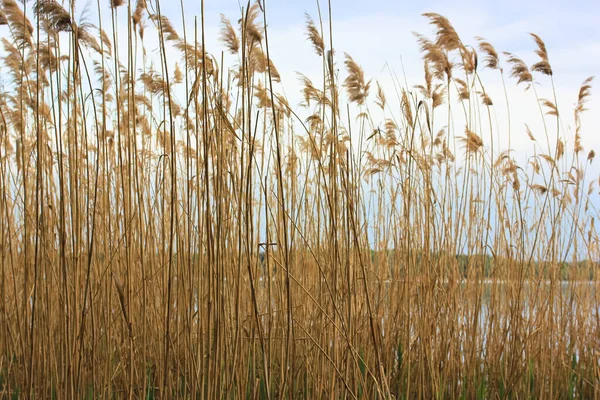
x: 171, y: 227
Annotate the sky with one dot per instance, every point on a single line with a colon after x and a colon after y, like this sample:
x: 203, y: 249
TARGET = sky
x: 377, y: 33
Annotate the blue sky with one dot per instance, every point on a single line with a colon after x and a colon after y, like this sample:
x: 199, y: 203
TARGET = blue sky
x: 380, y: 32
x: 377, y: 32
x: 563, y: 23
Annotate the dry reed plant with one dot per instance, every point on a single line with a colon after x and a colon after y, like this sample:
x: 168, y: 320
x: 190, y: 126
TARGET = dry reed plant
x: 222, y: 244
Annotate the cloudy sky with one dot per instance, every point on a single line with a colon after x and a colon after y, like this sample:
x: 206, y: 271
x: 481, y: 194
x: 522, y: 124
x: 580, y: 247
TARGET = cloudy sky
x: 376, y: 31
x: 379, y: 36
x: 380, y: 32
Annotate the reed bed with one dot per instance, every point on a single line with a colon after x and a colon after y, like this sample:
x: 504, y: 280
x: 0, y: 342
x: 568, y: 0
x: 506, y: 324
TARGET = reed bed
x: 172, y: 228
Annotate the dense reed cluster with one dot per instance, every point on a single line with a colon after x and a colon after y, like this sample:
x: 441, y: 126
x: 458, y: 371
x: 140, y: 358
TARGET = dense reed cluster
x: 172, y: 227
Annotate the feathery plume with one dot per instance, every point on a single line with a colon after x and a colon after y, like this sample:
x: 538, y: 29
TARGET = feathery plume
x: 380, y: 99
x: 552, y: 110
x: 584, y: 94
x: 447, y: 38
x: 260, y: 63
x: 516, y: 183
x: 540, y: 189
x: 472, y: 141
x: 140, y: 6
x: 308, y: 89
x: 193, y: 54
x: 469, y: 59
x: 529, y: 133
x: 485, y: 99
x: 254, y: 31
x: 560, y: 149
x: 519, y: 69
x: 463, y: 89
x: 577, y: 148
x: 355, y: 84
x: 283, y: 106
x: 426, y: 90
x: 141, y: 29
x: 89, y: 39
x: 330, y: 63
x: 437, y: 59
x: 58, y: 18
x: 542, y: 66
x: 262, y: 95
x: 437, y: 96
x: 20, y: 25
x: 492, y: 61
x: 167, y: 29
x: 106, y: 41
x: 407, y: 110
x: 177, y: 75
x: 314, y: 36
x: 12, y: 59
x: 228, y: 36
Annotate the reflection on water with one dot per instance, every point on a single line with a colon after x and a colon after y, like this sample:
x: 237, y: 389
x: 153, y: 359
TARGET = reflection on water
x: 496, y: 302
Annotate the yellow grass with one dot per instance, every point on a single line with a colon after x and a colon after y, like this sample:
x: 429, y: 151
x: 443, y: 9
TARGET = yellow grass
x: 172, y: 228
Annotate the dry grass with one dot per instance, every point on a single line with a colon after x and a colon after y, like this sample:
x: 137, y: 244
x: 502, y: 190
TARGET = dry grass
x: 229, y: 246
